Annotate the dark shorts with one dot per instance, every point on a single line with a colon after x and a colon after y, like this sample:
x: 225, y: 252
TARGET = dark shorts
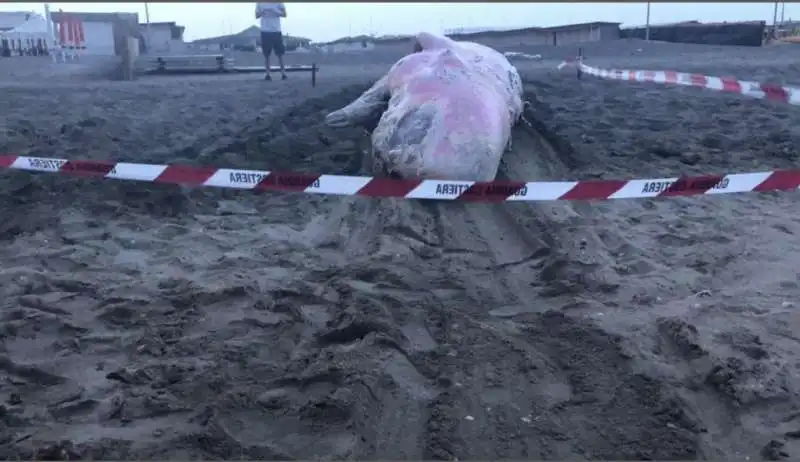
x: 272, y: 42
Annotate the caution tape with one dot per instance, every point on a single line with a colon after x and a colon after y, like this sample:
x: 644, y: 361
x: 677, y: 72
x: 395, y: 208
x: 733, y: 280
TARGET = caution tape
x: 471, y: 191
x: 782, y: 94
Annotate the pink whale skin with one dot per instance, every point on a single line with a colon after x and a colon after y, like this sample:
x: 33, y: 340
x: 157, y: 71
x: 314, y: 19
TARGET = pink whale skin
x: 450, y: 111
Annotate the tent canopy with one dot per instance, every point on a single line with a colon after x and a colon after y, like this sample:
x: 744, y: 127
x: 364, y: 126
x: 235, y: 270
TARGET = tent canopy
x: 33, y: 28
x: 35, y: 25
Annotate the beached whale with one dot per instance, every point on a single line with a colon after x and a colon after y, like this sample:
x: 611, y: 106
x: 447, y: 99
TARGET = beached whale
x: 445, y: 111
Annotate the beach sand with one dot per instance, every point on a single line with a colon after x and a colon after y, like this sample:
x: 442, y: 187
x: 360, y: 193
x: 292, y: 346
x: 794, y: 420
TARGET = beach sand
x: 144, y: 321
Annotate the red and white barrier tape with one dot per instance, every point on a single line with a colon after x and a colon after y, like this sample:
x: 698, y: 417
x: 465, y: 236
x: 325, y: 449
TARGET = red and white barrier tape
x: 472, y: 191
x: 787, y: 95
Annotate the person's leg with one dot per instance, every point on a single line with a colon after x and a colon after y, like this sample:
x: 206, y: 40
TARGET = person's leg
x: 266, y: 49
x: 280, y: 50
x: 283, y: 68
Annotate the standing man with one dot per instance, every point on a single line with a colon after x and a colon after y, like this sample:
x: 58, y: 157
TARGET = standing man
x: 270, y: 15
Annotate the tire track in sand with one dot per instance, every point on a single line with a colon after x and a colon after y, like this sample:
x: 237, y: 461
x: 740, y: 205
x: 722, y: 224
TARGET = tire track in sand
x: 477, y: 357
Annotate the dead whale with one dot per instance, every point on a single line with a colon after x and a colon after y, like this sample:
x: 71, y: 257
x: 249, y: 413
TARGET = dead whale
x: 445, y: 111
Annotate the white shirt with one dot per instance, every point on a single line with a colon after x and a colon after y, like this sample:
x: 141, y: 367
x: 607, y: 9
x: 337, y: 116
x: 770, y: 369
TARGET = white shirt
x: 270, y: 20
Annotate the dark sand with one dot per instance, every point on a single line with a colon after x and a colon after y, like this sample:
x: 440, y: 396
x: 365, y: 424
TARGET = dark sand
x: 156, y: 322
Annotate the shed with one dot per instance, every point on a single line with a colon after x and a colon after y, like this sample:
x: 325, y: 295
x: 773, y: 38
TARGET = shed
x: 584, y: 32
x: 162, y: 37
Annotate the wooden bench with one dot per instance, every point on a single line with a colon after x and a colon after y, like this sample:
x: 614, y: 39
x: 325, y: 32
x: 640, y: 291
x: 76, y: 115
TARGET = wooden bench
x: 212, y: 64
x: 188, y: 64
x: 313, y: 69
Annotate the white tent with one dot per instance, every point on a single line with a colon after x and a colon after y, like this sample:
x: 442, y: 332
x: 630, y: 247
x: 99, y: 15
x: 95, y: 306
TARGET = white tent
x: 30, y: 32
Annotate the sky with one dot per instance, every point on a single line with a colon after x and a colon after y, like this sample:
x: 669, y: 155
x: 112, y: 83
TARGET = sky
x: 328, y: 21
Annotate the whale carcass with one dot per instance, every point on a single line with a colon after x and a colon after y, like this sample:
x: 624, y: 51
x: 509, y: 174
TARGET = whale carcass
x: 446, y: 111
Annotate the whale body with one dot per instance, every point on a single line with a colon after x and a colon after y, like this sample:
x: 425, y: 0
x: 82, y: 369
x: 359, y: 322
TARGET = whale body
x: 445, y: 111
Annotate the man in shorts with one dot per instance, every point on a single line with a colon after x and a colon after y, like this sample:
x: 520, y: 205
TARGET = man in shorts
x: 270, y: 15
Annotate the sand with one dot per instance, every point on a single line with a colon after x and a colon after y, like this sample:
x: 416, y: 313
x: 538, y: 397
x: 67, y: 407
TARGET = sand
x: 150, y: 322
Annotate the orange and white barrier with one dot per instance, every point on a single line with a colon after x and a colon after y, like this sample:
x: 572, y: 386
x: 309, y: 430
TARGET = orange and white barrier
x: 467, y: 191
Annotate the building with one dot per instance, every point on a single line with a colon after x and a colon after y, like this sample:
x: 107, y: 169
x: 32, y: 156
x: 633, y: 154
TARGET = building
x: 349, y: 44
x: 394, y: 45
x: 788, y: 28
x: 246, y: 40
x: 556, y: 35
x: 740, y: 33
x: 504, y: 39
x: 162, y: 37
x: 103, y: 33
x: 585, y: 32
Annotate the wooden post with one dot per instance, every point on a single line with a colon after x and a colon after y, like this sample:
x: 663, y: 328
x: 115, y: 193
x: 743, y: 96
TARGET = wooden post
x: 580, y: 61
x: 314, y: 75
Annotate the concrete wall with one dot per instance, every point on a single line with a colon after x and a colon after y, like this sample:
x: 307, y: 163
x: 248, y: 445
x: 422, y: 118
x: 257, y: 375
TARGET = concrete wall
x: 608, y: 32
x: 99, y: 38
x: 157, y: 38
x: 513, y: 40
x: 586, y: 34
x: 569, y: 36
x: 177, y: 46
x: 130, y: 54
x: 211, y: 47
x: 122, y: 33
